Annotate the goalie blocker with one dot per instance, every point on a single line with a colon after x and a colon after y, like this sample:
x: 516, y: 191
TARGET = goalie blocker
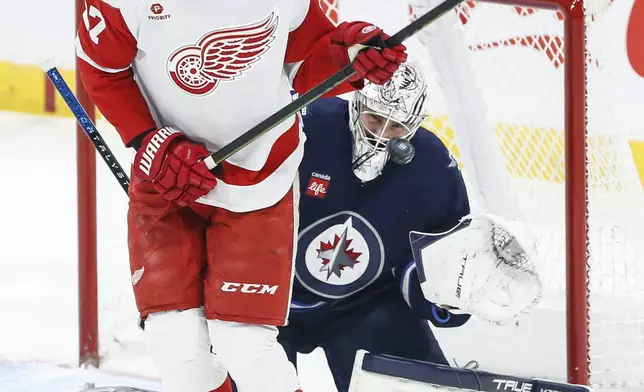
x: 373, y: 372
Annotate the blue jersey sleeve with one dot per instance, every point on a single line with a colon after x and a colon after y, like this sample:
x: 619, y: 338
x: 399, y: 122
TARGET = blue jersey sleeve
x: 409, y: 285
x: 441, y: 199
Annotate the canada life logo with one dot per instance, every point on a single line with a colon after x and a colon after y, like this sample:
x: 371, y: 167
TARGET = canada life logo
x: 220, y: 55
x: 318, y: 185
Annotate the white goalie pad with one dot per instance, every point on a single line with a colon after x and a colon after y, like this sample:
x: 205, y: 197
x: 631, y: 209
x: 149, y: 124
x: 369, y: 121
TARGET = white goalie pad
x: 484, y: 266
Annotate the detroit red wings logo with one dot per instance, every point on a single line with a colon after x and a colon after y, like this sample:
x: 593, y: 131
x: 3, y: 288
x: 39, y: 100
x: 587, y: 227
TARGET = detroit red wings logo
x: 221, y: 55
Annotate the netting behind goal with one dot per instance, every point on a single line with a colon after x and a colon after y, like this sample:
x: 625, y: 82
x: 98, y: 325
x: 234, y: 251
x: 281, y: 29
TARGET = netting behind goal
x: 498, y: 100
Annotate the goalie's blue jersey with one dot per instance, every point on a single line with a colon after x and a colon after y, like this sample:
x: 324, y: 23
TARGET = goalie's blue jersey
x: 354, y: 237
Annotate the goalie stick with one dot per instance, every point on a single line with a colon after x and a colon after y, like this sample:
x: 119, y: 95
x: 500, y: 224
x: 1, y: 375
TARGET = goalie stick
x: 260, y: 129
x: 387, y: 373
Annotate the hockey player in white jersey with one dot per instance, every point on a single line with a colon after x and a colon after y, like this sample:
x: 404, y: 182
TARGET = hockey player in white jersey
x: 211, y: 255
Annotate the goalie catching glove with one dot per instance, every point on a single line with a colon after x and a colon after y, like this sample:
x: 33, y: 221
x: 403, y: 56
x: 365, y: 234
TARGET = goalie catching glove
x: 174, y: 165
x: 484, y: 266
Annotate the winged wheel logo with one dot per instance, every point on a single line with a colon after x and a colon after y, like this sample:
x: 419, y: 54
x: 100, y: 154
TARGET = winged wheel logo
x: 221, y: 55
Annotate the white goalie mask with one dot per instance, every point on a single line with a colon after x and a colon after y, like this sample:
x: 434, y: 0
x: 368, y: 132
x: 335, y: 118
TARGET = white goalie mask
x: 380, y: 113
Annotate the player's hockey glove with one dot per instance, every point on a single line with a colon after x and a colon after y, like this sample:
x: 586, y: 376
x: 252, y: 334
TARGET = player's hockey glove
x: 174, y: 165
x: 358, y: 40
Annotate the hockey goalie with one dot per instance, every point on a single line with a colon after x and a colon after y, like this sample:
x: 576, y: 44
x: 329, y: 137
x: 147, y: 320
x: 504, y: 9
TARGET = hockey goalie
x: 387, y: 240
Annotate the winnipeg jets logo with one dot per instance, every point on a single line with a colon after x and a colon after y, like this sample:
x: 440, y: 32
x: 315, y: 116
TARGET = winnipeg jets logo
x: 339, y: 255
x: 452, y: 161
x: 221, y: 55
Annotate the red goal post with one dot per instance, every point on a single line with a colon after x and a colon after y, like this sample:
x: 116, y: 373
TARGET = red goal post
x: 87, y: 229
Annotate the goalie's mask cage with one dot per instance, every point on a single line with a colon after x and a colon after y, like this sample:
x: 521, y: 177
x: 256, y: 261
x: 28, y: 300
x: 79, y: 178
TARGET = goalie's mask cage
x: 398, y: 104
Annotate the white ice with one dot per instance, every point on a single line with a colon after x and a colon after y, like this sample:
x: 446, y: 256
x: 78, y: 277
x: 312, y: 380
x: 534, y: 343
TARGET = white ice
x: 32, y: 377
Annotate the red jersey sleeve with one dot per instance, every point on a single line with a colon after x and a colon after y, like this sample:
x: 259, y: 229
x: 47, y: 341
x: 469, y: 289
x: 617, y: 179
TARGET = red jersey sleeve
x: 308, y: 45
x: 105, y: 49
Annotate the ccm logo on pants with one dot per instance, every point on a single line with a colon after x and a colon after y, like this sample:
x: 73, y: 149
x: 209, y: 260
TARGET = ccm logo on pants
x: 249, y: 288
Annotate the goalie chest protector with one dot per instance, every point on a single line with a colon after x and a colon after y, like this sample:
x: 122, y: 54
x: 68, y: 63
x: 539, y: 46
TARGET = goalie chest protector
x: 352, y: 235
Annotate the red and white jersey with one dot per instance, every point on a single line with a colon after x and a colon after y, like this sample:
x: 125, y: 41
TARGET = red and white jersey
x: 213, y: 70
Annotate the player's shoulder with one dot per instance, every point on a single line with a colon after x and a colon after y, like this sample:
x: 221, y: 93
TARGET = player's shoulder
x: 121, y: 4
x: 326, y: 116
x: 433, y: 176
x: 332, y: 106
x: 431, y: 151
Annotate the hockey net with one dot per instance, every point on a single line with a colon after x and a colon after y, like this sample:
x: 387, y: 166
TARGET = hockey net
x: 511, y: 77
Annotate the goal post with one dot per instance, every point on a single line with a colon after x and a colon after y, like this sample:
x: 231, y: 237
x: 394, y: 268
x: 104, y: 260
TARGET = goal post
x: 87, y: 229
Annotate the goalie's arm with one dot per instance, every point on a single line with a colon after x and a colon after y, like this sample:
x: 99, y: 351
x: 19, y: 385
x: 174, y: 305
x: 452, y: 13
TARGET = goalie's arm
x: 442, y: 200
x: 409, y: 285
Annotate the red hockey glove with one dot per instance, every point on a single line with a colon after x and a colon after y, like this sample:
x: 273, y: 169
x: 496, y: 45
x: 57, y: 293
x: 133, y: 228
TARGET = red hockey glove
x: 174, y: 165
x: 377, y: 66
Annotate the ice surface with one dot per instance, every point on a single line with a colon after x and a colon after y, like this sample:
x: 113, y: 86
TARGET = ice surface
x: 50, y: 378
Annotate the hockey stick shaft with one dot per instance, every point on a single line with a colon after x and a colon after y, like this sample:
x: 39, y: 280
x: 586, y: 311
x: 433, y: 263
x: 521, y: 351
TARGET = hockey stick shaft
x: 88, y: 127
x: 335, y: 80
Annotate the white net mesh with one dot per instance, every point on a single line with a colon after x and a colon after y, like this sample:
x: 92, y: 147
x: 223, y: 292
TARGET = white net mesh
x: 497, y: 70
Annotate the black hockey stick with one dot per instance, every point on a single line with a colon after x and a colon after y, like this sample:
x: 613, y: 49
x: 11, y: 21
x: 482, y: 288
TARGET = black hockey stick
x: 335, y: 80
x: 88, y: 127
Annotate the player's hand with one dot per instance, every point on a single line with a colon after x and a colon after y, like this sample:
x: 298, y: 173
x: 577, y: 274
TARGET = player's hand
x: 174, y: 165
x: 359, y: 40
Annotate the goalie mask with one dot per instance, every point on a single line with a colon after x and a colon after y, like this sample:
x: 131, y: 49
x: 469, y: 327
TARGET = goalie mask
x: 379, y: 114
